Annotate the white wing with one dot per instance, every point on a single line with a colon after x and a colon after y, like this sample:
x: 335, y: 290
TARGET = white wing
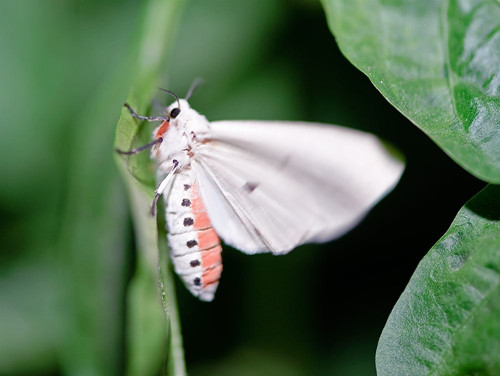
x: 270, y: 186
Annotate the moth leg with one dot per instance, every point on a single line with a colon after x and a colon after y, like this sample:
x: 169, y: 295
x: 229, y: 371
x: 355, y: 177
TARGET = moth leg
x: 147, y: 118
x: 141, y: 148
x: 163, y: 185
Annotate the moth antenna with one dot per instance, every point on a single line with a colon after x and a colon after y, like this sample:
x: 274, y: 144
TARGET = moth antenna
x: 173, y: 95
x: 196, y: 83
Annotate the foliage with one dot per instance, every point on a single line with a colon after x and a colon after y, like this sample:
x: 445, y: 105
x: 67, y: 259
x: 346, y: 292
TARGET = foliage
x: 149, y: 334
x: 81, y: 295
x: 437, y: 62
x: 446, y: 321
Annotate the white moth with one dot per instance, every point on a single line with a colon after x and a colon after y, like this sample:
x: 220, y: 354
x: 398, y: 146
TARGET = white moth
x: 261, y: 186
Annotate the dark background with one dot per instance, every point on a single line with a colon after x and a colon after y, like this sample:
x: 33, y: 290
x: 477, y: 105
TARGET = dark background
x: 318, y: 310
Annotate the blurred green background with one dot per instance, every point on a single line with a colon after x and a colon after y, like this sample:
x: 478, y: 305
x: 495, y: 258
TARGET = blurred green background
x: 67, y: 246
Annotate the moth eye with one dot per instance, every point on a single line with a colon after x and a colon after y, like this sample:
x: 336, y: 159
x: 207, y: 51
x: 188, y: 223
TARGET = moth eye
x: 174, y: 113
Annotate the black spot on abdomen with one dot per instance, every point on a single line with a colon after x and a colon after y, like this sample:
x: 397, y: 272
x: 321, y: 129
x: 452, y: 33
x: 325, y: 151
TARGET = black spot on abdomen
x: 194, y: 263
x: 191, y: 243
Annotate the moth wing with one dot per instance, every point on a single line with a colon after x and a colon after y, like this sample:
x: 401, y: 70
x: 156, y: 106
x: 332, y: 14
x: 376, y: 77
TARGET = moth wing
x: 270, y: 186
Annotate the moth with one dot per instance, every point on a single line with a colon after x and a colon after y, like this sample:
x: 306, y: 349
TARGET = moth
x: 260, y: 186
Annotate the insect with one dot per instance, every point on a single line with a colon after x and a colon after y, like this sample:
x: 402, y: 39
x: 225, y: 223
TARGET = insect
x: 261, y: 186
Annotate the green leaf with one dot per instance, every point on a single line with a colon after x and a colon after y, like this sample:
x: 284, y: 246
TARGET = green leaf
x: 93, y: 240
x: 29, y: 319
x: 446, y: 322
x: 153, y: 325
x: 62, y: 293
x: 437, y: 62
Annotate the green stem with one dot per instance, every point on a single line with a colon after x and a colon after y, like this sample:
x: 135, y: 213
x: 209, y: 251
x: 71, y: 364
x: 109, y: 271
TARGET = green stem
x: 175, y: 358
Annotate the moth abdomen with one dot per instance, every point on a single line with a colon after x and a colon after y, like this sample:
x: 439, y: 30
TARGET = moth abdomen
x: 195, y: 246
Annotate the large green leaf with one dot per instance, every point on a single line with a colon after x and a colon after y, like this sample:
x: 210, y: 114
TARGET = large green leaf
x: 153, y: 324
x: 95, y: 227
x: 437, y: 61
x: 447, y: 321
x: 62, y: 284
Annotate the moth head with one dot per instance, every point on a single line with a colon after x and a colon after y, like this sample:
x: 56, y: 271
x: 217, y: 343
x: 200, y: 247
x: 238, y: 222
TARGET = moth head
x: 181, y: 105
x: 173, y: 110
x: 179, y: 111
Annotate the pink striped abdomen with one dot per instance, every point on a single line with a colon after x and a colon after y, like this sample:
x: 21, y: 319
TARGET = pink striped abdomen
x: 195, y: 246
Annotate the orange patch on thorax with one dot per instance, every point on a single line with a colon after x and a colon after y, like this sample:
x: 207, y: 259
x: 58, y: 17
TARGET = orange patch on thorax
x: 163, y: 128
